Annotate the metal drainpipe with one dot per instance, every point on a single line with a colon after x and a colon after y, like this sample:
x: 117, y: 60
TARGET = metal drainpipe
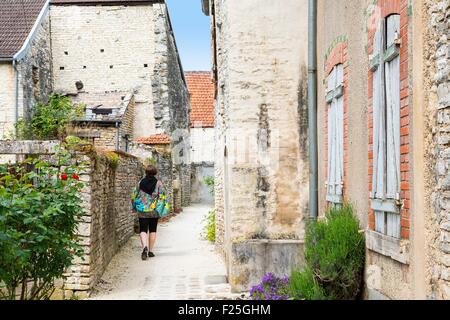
x: 117, y: 136
x: 312, y: 108
x: 17, y: 95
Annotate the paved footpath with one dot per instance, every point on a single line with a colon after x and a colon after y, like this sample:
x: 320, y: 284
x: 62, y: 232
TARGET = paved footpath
x: 185, y: 266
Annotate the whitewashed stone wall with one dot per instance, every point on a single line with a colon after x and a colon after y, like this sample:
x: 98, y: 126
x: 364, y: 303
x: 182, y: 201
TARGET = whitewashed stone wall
x: 202, y: 145
x: 261, y: 144
x: 108, y: 48
x: 7, y: 99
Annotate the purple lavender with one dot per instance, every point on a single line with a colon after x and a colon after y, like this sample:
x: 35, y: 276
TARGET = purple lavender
x: 271, y: 288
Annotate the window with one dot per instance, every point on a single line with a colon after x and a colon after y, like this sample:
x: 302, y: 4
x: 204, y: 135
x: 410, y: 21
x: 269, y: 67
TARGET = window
x: 335, y: 105
x: 385, y: 65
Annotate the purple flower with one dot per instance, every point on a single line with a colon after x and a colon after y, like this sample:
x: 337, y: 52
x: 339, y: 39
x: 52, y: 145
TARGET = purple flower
x: 271, y: 288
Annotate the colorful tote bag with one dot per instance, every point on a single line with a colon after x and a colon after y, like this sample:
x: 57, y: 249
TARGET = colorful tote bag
x: 150, y: 206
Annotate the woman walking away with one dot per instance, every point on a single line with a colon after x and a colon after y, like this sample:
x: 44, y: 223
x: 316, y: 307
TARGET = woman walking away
x: 148, y: 221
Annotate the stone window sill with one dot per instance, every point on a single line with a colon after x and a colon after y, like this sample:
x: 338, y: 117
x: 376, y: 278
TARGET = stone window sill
x: 396, y: 249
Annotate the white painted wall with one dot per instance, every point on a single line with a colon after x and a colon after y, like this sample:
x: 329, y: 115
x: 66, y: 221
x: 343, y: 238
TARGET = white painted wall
x: 202, y: 145
x: 125, y: 33
x: 7, y: 99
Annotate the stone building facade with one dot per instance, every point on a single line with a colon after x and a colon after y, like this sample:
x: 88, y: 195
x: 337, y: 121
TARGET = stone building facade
x: 25, y: 62
x: 201, y: 92
x: 261, y: 166
x: 405, y: 228
x: 383, y: 97
x: 109, y: 50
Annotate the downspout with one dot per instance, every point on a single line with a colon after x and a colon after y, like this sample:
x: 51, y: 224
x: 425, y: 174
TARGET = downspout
x: 16, y: 116
x: 117, y: 136
x: 312, y: 108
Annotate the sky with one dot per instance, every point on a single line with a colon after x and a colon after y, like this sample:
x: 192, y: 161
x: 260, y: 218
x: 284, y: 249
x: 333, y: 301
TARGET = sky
x: 192, y: 33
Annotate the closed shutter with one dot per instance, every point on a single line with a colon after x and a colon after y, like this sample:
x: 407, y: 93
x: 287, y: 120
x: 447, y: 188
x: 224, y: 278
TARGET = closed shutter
x: 335, y: 135
x: 385, y: 65
x: 378, y: 120
x: 331, y: 137
x: 393, y: 112
x: 392, y: 123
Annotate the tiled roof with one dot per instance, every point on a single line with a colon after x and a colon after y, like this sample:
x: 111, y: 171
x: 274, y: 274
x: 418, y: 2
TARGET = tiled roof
x: 155, y: 139
x: 17, y: 18
x: 201, y: 90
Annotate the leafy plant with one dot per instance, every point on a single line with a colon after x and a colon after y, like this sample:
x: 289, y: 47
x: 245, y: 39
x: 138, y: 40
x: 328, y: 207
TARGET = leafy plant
x: 210, y: 226
x: 303, y: 286
x: 335, y: 255
x: 209, y: 181
x: 49, y: 121
x: 151, y: 161
x: 39, y: 208
x: 271, y: 288
x: 113, y: 159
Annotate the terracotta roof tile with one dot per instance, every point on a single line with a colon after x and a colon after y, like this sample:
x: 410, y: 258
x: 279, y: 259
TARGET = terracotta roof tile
x: 201, y: 90
x: 155, y: 139
x: 17, y: 18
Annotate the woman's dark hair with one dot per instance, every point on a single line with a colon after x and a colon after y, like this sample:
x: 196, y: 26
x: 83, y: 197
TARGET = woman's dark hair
x: 151, y: 171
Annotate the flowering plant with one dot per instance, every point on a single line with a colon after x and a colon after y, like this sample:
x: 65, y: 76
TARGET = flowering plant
x: 271, y: 288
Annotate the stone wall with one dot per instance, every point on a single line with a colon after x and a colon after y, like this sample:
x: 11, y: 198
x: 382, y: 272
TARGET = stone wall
x: 261, y: 151
x: 108, y: 221
x: 108, y: 48
x: 35, y: 80
x: 437, y: 64
x: 171, y: 100
x: 7, y: 99
x: 200, y: 193
x: 36, y: 73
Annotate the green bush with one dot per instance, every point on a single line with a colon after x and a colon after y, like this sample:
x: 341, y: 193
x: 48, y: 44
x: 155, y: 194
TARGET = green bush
x: 40, y: 205
x: 335, y: 255
x: 209, y: 181
x: 303, y: 286
x: 210, y: 227
x: 49, y: 121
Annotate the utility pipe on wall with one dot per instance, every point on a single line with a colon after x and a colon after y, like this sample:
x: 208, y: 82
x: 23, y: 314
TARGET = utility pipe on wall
x: 312, y: 108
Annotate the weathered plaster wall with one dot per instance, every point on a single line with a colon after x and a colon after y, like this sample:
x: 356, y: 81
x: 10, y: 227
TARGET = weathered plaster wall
x: 200, y: 192
x: 345, y: 19
x: 108, y: 48
x: 262, y: 81
x: 202, y: 145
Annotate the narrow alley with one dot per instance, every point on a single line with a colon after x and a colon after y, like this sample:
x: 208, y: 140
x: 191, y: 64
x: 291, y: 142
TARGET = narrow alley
x: 185, y: 266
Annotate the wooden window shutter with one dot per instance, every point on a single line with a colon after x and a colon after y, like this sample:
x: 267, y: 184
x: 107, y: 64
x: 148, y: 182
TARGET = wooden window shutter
x: 392, y: 66
x: 335, y: 102
x: 378, y: 117
x: 331, y: 137
x: 392, y: 111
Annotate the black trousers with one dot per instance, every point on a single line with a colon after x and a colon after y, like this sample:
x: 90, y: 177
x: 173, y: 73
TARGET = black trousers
x: 148, y: 225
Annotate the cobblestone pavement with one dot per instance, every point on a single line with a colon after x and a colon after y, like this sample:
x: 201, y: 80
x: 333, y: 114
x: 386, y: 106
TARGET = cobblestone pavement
x: 185, y: 265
